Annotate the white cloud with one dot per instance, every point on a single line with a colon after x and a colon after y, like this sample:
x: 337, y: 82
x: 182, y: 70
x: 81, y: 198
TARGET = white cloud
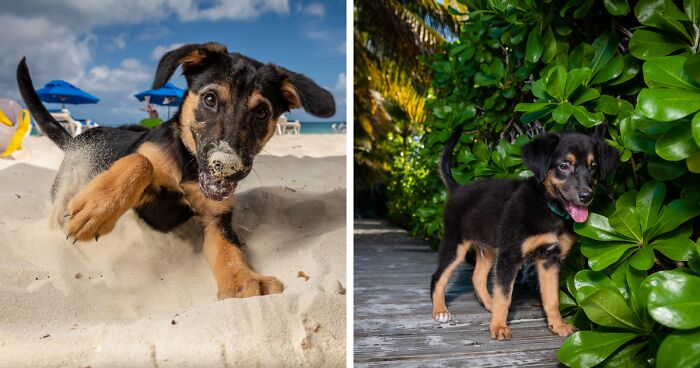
x: 52, y: 51
x: 128, y: 77
x: 85, y: 14
x: 117, y: 42
x: 159, y: 51
x: 315, y: 10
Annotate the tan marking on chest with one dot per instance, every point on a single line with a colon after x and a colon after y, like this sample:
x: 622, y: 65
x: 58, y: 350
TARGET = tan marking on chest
x: 536, y: 241
x: 202, y: 205
x: 166, y: 171
x: 566, y: 241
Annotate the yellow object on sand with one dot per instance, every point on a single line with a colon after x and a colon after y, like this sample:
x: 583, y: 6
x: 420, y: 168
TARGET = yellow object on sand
x: 23, y: 121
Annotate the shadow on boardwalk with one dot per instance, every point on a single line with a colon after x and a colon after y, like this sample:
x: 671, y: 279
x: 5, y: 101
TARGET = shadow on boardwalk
x: 393, y: 324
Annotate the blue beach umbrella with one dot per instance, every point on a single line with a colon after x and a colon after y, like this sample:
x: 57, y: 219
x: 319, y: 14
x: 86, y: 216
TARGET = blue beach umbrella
x: 168, y: 95
x: 58, y: 91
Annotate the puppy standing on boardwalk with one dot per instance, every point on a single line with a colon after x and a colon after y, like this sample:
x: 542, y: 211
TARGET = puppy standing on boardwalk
x: 189, y: 165
x: 509, y: 220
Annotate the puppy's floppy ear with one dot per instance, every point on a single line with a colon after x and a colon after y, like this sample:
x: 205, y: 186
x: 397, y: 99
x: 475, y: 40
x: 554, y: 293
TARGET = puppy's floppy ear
x: 191, y: 57
x: 608, y: 158
x: 538, y: 153
x: 300, y: 91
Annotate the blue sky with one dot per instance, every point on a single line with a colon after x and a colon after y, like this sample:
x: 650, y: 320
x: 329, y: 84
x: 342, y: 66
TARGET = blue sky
x: 111, y: 48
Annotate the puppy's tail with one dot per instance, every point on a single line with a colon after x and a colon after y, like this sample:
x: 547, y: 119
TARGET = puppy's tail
x: 445, y: 172
x: 47, y: 123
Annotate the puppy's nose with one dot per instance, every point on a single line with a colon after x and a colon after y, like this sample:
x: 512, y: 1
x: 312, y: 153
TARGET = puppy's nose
x: 223, y: 164
x: 585, y: 195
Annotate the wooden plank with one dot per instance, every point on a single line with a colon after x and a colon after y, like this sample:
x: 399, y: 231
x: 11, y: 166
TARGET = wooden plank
x: 393, y: 324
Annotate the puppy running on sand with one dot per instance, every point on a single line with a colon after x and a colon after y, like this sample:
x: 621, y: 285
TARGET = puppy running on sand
x: 509, y: 220
x: 188, y: 166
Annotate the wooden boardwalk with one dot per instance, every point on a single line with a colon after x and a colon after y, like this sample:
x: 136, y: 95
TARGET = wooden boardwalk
x: 393, y: 324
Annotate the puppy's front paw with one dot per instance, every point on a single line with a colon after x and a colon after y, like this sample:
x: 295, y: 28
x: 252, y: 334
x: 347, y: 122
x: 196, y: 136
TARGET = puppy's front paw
x: 90, y: 216
x: 247, y: 284
x: 440, y: 314
x: 562, y: 329
x: 501, y: 332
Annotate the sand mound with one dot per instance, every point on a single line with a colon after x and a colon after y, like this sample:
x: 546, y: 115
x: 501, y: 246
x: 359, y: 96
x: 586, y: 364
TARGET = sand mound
x: 138, y: 297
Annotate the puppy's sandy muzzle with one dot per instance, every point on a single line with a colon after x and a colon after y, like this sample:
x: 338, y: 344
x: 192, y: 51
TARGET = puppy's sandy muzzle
x: 224, y: 164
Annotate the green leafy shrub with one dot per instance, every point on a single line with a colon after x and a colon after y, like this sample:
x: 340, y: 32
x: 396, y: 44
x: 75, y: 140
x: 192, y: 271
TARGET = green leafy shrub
x: 629, y: 72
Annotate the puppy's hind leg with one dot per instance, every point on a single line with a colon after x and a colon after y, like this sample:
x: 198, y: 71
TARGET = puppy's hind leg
x: 484, y: 263
x: 95, y: 210
x: 451, y: 255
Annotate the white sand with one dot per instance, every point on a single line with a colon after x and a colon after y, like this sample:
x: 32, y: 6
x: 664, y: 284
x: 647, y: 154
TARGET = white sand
x: 139, y: 298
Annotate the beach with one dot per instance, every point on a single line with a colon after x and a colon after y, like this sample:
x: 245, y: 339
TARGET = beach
x: 141, y: 298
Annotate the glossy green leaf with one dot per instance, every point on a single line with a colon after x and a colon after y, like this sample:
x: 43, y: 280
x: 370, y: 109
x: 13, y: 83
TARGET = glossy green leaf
x: 673, y: 215
x: 643, y: 258
x: 677, y: 248
x: 677, y: 144
x: 574, y: 79
x: 607, y: 104
x: 598, y: 227
x: 585, y: 95
x: 630, y: 70
x: 610, y: 71
x: 555, y: 82
x: 610, y: 309
x: 646, y: 44
x: 589, y: 348
x: 675, y: 301
x: 668, y: 71
x: 617, y: 7
x: 648, y: 202
x: 665, y: 170
x: 639, y: 142
x: 695, y: 128
x: 626, y: 222
x: 681, y: 349
x: 667, y: 104
x: 550, y: 45
x: 533, y: 50
x: 693, y: 163
x: 587, y: 282
x: 562, y: 113
x: 626, y: 357
x: 627, y: 199
x: 692, y: 9
x: 604, y: 48
x: 661, y: 14
x: 586, y: 118
x: 603, y: 254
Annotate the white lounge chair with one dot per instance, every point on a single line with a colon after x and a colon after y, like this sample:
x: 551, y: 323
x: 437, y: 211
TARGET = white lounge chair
x: 74, y: 126
x: 293, y: 127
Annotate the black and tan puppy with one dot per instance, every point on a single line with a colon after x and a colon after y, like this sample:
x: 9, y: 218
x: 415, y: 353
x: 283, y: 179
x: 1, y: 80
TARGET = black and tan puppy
x: 507, y: 221
x: 189, y: 165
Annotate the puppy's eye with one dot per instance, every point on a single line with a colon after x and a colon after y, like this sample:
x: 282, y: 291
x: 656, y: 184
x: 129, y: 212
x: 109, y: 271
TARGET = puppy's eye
x: 261, y: 114
x: 564, y: 166
x: 209, y: 99
x: 594, y: 167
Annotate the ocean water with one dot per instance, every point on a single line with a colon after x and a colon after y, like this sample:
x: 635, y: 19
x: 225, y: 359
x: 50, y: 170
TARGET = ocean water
x: 308, y: 127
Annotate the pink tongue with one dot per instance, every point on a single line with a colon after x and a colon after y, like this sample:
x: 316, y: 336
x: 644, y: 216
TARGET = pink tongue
x: 578, y: 213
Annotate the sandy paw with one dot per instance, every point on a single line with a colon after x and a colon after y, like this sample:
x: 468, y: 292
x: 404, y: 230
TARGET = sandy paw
x: 88, y: 219
x: 562, y: 329
x: 501, y: 333
x: 247, y: 284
